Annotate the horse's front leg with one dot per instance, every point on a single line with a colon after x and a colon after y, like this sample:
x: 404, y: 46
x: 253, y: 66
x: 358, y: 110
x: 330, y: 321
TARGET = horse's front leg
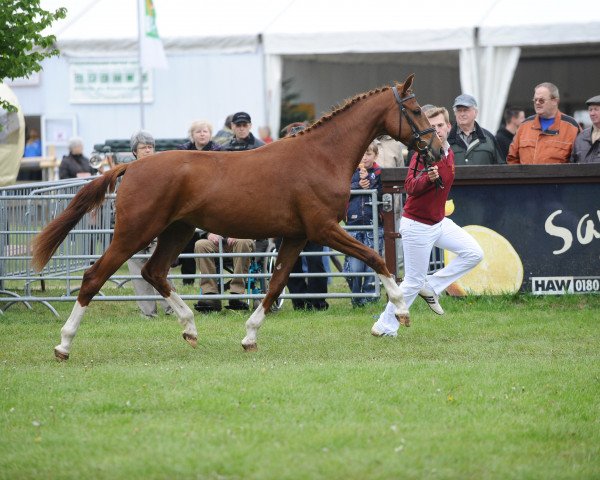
x: 288, y: 253
x: 336, y: 237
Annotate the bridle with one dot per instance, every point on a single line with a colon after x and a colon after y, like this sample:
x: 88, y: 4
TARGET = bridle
x: 417, y: 143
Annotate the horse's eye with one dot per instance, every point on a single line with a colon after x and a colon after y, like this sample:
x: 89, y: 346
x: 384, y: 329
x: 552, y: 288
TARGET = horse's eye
x: 417, y: 111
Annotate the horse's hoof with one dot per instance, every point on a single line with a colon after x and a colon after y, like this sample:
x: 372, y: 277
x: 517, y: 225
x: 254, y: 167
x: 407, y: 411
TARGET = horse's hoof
x: 191, y: 339
x: 251, y: 347
x: 60, y: 356
x: 404, y: 319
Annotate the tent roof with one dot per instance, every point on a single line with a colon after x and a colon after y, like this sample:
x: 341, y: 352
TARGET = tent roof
x: 101, y: 27
x: 533, y: 23
x: 335, y: 26
x: 316, y: 27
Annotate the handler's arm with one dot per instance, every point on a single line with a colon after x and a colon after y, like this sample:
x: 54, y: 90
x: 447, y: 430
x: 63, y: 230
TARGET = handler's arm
x: 416, y: 185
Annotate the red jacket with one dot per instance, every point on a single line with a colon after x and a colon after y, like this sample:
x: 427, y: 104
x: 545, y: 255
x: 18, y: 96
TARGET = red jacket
x: 425, y: 202
x: 532, y: 145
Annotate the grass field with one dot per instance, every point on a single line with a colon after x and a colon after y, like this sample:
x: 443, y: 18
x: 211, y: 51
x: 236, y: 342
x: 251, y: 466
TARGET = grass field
x: 504, y: 387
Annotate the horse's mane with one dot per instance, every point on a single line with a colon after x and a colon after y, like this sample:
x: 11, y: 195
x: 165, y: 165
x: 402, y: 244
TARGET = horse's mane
x: 340, y: 108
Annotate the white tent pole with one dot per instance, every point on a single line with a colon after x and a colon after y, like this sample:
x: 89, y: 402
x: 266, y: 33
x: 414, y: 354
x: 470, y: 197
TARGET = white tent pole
x: 273, y: 73
x: 140, y: 72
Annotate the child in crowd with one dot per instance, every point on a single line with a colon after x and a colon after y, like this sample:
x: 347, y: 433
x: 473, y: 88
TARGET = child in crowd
x: 360, y: 212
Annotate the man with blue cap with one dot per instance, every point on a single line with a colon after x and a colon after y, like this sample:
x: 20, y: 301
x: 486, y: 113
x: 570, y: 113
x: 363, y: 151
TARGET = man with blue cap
x: 471, y: 144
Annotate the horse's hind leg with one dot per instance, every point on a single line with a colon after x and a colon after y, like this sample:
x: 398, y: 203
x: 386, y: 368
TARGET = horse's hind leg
x: 336, y: 237
x: 170, y: 243
x: 93, y: 279
x: 288, y: 253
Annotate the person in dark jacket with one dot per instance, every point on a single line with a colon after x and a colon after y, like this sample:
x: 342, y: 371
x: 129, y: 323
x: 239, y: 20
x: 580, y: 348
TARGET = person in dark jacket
x: 513, y: 118
x: 199, y: 134
x: 586, y: 148
x: 242, y: 140
x: 360, y: 212
x: 75, y: 164
x: 471, y: 144
x: 242, y: 136
x: 224, y: 135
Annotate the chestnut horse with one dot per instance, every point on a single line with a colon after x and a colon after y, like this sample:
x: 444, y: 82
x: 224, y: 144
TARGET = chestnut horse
x: 296, y: 188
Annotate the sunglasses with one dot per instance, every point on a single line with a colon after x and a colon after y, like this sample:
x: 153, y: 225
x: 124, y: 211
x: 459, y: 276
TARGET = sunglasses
x: 541, y: 101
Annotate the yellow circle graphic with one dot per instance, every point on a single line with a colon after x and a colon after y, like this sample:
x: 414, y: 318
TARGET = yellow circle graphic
x: 500, y: 271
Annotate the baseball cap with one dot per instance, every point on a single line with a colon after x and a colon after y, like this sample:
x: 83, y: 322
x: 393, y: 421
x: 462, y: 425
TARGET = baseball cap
x: 465, y: 100
x: 593, y: 101
x: 241, y: 117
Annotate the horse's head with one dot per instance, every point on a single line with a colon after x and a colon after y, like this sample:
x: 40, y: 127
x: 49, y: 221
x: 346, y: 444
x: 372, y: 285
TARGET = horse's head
x: 410, y: 125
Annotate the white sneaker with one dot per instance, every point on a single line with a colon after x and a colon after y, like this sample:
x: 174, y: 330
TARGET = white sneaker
x: 431, y: 298
x: 378, y: 333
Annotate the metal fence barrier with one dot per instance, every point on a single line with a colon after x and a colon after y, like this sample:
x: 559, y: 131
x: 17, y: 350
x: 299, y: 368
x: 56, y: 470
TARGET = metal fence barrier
x: 25, y: 209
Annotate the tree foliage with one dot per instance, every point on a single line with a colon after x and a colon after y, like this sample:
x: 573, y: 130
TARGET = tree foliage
x: 23, y: 44
x: 290, y: 113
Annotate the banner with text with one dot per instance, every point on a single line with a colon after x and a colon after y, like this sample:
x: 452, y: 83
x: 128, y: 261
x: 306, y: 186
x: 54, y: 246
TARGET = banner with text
x: 114, y: 82
x: 551, y: 232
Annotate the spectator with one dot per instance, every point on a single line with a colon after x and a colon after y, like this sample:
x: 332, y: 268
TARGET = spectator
x: 200, y: 132
x: 314, y: 264
x: 547, y: 136
x: 242, y: 136
x: 207, y: 266
x: 75, y: 165
x: 360, y: 212
x: 33, y: 146
x: 142, y: 145
x: 242, y: 140
x: 424, y: 226
x: 587, y: 144
x: 265, y: 134
x: 471, y: 144
x: 513, y: 118
x: 225, y: 134
x: 390, y: 152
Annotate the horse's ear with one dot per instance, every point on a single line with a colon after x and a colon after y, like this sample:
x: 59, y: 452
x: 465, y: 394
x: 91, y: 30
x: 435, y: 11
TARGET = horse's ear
x: 407, y: 84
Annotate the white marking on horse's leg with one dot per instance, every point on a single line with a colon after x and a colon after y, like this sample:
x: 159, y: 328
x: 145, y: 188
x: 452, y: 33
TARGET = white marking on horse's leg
x: 252, y: 326
x: 69, y: 330
x: 185, y: 317
x: 395, y: 296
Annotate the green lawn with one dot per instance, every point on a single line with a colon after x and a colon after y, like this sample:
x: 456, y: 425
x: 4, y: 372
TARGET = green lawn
x: 505, y: 387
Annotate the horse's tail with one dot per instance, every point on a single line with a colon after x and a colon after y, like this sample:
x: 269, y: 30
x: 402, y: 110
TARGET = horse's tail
x: 87, y: 199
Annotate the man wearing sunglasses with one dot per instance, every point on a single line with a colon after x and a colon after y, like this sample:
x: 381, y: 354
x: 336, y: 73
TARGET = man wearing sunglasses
x: 547, y: 136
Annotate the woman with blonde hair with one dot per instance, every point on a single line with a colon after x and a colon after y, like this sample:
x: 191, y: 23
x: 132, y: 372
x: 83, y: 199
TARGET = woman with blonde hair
x: 200, y: 132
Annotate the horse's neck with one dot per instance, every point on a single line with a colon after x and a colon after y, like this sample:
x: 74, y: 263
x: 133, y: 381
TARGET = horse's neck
x: 350, y: 131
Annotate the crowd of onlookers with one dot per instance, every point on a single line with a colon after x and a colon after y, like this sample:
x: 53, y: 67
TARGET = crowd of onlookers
x: 548, y: 136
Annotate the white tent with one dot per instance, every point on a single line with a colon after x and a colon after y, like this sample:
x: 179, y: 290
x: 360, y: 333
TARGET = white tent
x: 484, y: 38
x: 214, y: 50
x: 335, y: 27
x: 487, y: 33
x: 101, y: 27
